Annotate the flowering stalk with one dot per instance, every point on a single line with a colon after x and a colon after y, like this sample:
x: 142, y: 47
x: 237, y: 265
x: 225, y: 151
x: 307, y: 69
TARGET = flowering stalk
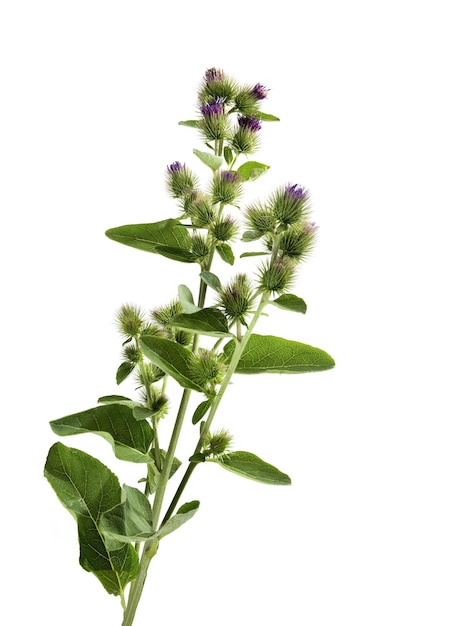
x: 199, y: 347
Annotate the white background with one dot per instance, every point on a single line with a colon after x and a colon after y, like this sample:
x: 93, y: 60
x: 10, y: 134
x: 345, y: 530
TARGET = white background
x: 366, y: 92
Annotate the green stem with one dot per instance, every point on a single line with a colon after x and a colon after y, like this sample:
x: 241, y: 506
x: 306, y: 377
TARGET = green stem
x: 238, y: 351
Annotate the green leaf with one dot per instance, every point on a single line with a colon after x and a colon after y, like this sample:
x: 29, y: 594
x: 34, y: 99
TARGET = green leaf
x: 291, y: 303
x: 267, y: 117
x: 210, y: 321
x: 128, y: 522
x: 211, y: 280
x: 153, y: 476
x: 213, y: 161
x: 248, y: 254
x: 225, y: 252
x: 183, y: 514
x: 201, y: 410
x: 142, y: 412
x: 186, y: 299
x: 116, y: 400
x: 171, y: 357
x: 228, y: 156
x: 129, y: 438
x: 251, y: 235
x: 167, y: 237
x: 252, y: 170
x: 275, y: 355
x: 190, y: 123
x: 251, y: 466
x: 124, y: 370
x: 87, y: 489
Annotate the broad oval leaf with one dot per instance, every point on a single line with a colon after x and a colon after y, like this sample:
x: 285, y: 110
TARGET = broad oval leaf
x: 290, y: 302
x: 252, y: 235
x: 129, y: 438
x: 167, y: 237
x: 252, y: 170
x: 251, y: 466
x: 124, y: 371
x: 186, y: 299
x: 213, y: 161
x: 250, y: 254
x: 171, y: 357
x: 210, y: 321
x: 87, y: 489
x: 228, y: 156
x: 267, y: 117
x: 275, y: 355
x: 184, y: 513
x: 225, y: 252
x: 128, y: 522
x: 211, y: 280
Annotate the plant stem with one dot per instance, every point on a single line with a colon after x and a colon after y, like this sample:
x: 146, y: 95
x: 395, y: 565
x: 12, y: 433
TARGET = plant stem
x: 238, y: 351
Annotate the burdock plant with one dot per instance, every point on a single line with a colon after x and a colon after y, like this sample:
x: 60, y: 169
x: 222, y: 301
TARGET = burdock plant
x: 184, y: 353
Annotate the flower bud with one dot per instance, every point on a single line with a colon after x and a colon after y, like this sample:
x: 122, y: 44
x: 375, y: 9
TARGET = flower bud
x: 247, y: 99
x: 216, y: 85
x: 226, y: 187
x: 260, y: 219
x: 180, y: 181
x: 201, y: 211
x: 182, y: 337
x: 148, y: 374
x: 131, y: 354
x: 130, y: 319
x: 206, y: 369
x: 276, y: 277
x: 246, y: 139
x: 165, y: 314
x: 224, y: 229
x: 217, y: 444
x: 214, y: 122
x: 237, y: 298
x: 199, y: 247
x: 290, y: 205
x: 297, y: 242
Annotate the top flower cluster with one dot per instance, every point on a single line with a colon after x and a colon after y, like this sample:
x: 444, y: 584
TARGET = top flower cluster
x: 221, y: 96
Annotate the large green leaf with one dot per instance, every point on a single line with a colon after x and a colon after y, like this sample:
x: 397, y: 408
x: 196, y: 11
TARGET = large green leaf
x: 268, y: 354
x: 210, y: 321
x: 184, y: 513
x: 128, y: 522
x: 186, y: 299
x: 168, y: 237
x: 171, y: 357
x: 251, y: 466
x: 88, y: 489
x: 129, y: 438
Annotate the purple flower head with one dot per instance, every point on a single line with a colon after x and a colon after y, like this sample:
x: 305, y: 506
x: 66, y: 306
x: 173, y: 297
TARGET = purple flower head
x: 309, y: 227
x: 175, y: 167
x: 231, y: 177
x: 296, y: 192
x: 215, y: 107
x: 212, y: 75
x: 259, y: 92
x: 250, y: 123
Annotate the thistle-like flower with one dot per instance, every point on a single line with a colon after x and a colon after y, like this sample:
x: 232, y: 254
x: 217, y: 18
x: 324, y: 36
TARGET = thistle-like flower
x: 226, y: 187
x: 245, y: 139
x: 237, y: 298
x: 291, y: 204
x: 199, y: 208
x: 180, y: 181
x: 217, y: 85
x: 218, y: 443
x: 164, y: 315
x: 199, y: 247
x: 214, y: 121
x: 247, y: 99
x: 297, y: 242
x: 224, y: 229
x: 276, y: 276
x: 130, y: 319
x: 260, y: 219
x: 148, y: 374
x: 206, y: 369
